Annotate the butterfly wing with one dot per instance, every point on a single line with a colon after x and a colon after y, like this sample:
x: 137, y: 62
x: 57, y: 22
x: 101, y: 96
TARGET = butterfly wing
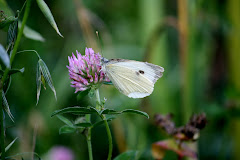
x: 132, y: 78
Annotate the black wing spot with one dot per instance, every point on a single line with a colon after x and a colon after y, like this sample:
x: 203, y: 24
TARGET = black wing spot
x: 141, y: 71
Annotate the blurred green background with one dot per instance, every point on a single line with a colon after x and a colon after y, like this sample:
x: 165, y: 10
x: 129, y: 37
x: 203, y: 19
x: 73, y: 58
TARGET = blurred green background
x: 196, y: 41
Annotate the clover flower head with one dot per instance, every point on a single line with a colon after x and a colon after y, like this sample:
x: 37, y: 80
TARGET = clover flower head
x: 61, y: 153
x: 85, y: 70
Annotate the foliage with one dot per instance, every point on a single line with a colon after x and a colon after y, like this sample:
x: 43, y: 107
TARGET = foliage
x: 197, y: 42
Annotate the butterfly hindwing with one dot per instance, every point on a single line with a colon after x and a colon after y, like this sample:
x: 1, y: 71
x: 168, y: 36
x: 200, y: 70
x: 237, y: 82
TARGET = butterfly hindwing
x: 132, y: 78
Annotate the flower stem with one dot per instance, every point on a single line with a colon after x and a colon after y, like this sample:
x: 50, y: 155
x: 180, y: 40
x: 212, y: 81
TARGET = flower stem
x: 109, y: 137
x: 2, y: 128
x: 106, y: 125
x: 88, y: 135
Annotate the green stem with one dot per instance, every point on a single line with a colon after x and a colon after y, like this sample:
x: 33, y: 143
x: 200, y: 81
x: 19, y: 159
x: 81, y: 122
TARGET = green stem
x: 20, y: 33
x: 88, y: 135
x: 98, y: 106
x: 2, y: 128
x: 109, y: 137
x: 30, y: 51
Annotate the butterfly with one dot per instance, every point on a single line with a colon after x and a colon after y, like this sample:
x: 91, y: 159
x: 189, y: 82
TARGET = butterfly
x: 134, y: 79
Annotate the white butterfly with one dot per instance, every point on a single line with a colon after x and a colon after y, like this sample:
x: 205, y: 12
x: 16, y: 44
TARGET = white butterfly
x: 133, y: 78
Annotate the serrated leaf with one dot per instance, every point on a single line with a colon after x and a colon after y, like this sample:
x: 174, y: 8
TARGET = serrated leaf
x: 9, y: 146
x: 66, y: 129
x: 4, y: 57
x: 47, y: 13
x: 6, y: 106
x: 12, y: 35
x: 76, y: 110
x: 38, y: 81
x: 65, y: 120
x: 129, y: 155
x: 84, y: 125
x: 31, y: 34
x: 136, y: 112
x: 47, y: 76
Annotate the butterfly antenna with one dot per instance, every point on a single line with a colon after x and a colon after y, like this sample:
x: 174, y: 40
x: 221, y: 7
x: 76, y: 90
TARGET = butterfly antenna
x: 99, y: 42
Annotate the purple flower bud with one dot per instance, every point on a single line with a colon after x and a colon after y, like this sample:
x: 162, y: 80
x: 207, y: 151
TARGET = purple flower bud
x: 85, y: 70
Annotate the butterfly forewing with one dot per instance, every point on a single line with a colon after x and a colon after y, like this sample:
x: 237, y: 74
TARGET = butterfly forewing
x: 132, y: 78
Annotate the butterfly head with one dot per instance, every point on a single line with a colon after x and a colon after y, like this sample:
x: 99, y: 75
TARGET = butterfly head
x: 103, y: 63
x: 104, y: 60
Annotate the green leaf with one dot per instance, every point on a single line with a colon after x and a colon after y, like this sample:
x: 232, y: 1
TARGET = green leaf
x: 30, y: 33
x: 12, y: 35
x: 5, y: 8
x: 136, y: 112
x: 6, y: 15
x: 13, y: 71
x: 47, y: 13
x: 65, y: 120
x: 66, y: 129
x: 102, y: 122
x: 109, y: 111
x: 6, y: 106
x: 83, y: 125
x: 6, y: 21
x: 38, y: 81
x: 47, y: 76
x: 4, y: 57
x: 76, y: 110
x: 9, y: 146
x: 129, y: 155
